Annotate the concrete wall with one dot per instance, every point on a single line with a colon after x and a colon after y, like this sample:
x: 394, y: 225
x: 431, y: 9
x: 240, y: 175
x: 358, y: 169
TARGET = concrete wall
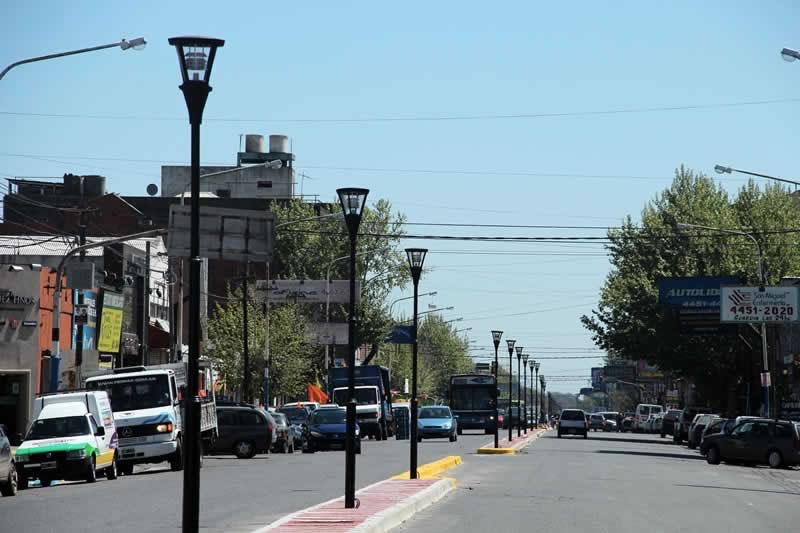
x: 241, y: 184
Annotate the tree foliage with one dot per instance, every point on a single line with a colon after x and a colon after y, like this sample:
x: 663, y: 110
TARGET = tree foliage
x: 628, y: 321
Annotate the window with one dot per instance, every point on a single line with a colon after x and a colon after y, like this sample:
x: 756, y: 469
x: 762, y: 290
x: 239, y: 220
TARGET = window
x: 250, y: 418
x: 572, y: 415
x: 264, y: 184
x: 783, y: 431
x: 226, y: 418
x: 744, y: 429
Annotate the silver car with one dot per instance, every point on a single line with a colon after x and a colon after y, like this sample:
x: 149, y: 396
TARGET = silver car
x: 8, y: 471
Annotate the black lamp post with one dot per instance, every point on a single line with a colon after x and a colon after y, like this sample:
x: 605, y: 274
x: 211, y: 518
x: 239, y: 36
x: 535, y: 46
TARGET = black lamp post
x: 196, y: 57
x: 541, y: 395
x: 519, y: 392
x: 524, y: 392
x: 510, y: 343
x: 352, y: 201
x: 416, y: 258
x: 536, y: 383
x: 532, y: 364
x: 496, y: 336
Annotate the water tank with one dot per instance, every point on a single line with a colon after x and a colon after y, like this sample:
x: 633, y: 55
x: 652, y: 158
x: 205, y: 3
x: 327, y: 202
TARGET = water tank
x: 94, y: 186
x: 279, y: 143
x: 254, y: 144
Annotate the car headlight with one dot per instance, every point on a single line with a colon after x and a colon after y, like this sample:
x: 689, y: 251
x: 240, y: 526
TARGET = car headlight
x: 76, y: 454
x: 447, y: 425
x: 316, y: 434
x: 491, y: 418
x: 164, y: 428
x: 22, y: 458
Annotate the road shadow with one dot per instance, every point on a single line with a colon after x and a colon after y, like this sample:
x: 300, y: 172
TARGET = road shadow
x: 737, y: 488
x: 653, y: 454
x: 629, y: 439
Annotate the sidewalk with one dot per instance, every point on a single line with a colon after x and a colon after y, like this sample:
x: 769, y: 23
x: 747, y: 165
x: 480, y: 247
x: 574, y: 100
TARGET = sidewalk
x: 511, y: 447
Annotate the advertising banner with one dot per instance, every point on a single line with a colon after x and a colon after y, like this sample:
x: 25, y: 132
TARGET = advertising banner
x: 89, y: 314
x: 307, y: 291
x: 701, y: 292
x: 111, y: 322
x: 759, y: 304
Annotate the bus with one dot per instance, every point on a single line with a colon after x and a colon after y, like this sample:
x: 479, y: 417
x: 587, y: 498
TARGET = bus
x: 473, y: 399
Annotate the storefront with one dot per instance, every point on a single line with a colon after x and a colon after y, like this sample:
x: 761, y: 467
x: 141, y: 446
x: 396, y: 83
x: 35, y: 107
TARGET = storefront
x: 26, y: 319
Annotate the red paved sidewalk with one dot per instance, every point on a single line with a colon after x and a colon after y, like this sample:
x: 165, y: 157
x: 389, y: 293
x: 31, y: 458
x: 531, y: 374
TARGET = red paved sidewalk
x: 332, y: 517
x: 504, y: 443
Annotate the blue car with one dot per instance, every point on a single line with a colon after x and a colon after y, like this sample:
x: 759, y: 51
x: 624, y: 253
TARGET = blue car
x: 436, y: 421
x: 327, y: 430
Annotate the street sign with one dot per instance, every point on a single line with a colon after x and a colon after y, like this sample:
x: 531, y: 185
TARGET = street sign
x: 401, y: 335
x: 308, y: 291
x: 759, y: 304
x: 80, y: 276
x: 233, y: 234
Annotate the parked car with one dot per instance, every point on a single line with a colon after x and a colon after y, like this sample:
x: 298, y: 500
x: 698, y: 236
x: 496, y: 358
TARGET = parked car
x: 668, y: 423
x: 656, y: 423
x: 682, y: 423
x: 627, y: 422
x: 285, y: 440
x: 8, y: 470
x: 573, y: 422
x: 696, y: 429
x: 760, y: 441
x: 244, y: 431
x: 597, y: 422
x: 327, y: 430
x: 436, y: 421
x: 719, y: 425
x: 643, y: 412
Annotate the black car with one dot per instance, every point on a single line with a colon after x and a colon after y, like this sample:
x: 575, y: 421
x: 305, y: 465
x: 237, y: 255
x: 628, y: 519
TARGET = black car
x: 284, y: 442
x: 759, y: 441
x: 244, y: 431
x: 8, y: 470
x: 668, y: 422
x: 327, y: 430
x: 681, y: 430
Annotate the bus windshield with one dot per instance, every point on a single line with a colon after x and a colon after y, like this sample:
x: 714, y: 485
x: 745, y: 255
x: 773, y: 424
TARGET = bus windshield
x: 471, y: 398
x: 130, y: 393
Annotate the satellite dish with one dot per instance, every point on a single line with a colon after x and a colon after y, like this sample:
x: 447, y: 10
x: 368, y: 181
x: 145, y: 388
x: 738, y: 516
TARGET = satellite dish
x: 152, y: 189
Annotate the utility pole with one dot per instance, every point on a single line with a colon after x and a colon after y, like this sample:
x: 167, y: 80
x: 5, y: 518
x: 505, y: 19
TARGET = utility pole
x: 81, y: 302
x: 144, y: 343
x: 245, y: 336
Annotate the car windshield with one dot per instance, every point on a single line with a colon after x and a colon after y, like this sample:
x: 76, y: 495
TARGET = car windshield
x: 296, y: 415
x: 328, y: 416
x: 471, y: 398
x: 573, y: 415
x: 279, y: 418
x: 68, y: 426
x: 131, y: 393
x: 368, y: 396
x: 434, y: 412
x: 597, y: 418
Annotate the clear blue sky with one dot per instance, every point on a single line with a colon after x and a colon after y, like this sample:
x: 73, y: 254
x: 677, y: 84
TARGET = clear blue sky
x: 351, y: 60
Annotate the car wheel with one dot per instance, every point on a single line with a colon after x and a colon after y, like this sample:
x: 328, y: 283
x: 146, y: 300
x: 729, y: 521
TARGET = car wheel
x: 774, y: 459
x: 111, y: 471
x: 713, y: 456
x: 176, y: 461
x: 453, y: 438
x: 691, y: 445
x: 663, y: 434
x: 559, y: 434
x: 126, y: 469
x: 419, y: 439
x: 11, y: 485
x: 586, y: 435
x: 459, y: 431
x: 244, y: 449
x: 22, y: 482
x: 91, y: 471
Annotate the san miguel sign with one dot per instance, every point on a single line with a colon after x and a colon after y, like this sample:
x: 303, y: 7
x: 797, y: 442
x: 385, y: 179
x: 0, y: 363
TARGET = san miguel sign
x: 9, y: 298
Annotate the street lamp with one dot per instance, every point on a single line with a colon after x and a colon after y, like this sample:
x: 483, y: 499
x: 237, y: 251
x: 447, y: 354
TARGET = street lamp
x: 496, y: 336
x: 524, y: 385
x: 432, y: 293
x: 532, y: 365
x: 136, y: 44
x: 352, y: 201
x: 196, y: 58
x: 790, y: 55
x: 519, y: 392
x: 536, y: 384
x: 416, y: 258
x: 510, y: 343
x: 722, y: 169
x: 763, y: 280
x: 543, y: 383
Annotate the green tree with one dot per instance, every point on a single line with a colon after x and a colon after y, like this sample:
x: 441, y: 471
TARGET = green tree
x: 628, y: 321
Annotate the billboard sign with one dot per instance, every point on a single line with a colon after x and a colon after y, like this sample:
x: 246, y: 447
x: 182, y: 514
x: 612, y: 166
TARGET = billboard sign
x: 759, y: 304
x: 622, y: 372
x: 648, y: 371
x: 111, y: 322
x: 401, y: 334
x: 309, y: 291
x: 701, y: 293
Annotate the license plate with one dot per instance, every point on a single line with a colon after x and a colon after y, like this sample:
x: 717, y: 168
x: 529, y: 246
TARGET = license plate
x: 50, y: 465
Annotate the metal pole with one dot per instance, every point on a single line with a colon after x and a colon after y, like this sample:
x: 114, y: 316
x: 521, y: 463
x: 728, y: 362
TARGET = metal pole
x: 519, y: 400
x: 510, y: 395
x: 414, y: 401
x: 146, y: 318
x: 350, y: 443
x: 268, y: 362
x: 525, y: 403
x: 496, y: 407
x: 245, y: 336
x: 536, y: 385
x: 80, y: 332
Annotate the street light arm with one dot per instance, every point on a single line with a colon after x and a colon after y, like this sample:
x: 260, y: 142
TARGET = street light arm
x: 761, y: 273
x: 122, y: 44
x: 727, y: 170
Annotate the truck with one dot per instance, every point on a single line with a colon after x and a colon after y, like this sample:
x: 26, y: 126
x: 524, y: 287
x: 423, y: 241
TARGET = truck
x: 148, y: 404
x: 373, y: 398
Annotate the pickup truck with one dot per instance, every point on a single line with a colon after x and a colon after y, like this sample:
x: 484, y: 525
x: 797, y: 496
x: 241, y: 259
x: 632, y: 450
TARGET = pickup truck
x: 573, y: 422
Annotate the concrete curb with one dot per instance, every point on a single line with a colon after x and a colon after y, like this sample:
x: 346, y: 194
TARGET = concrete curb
x: 488, y: 449
x: 397, y: 514
x: 432, y: 470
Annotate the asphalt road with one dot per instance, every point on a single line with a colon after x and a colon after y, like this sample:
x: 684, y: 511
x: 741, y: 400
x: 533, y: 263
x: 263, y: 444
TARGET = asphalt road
x: 236, y: 494
x: 612, y: 483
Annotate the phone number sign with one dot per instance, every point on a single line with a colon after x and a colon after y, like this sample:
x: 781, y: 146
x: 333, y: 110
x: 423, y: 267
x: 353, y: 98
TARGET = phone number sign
x: 755, y: 304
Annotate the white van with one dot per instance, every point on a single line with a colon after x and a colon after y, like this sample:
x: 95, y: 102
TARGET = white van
x: 643, y: 412
x: 72, y: 437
